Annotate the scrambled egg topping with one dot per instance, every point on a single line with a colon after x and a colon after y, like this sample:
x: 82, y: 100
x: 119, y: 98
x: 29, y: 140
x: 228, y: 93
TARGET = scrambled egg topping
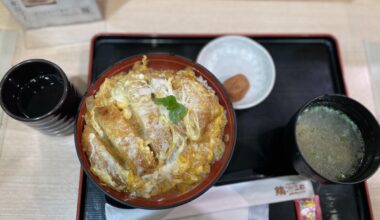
x: 133, y: 146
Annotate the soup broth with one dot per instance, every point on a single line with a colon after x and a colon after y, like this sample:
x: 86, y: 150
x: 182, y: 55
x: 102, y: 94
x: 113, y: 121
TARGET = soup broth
x: 330, y: 142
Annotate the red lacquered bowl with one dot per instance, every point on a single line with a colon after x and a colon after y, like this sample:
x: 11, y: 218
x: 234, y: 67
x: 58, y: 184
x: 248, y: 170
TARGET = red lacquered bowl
x: 165, y: 200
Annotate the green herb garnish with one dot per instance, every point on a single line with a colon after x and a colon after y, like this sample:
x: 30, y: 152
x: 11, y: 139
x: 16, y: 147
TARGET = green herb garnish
x: 177, y: 111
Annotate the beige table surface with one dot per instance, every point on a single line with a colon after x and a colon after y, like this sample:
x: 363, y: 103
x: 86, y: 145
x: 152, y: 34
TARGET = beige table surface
x: 39, y: 174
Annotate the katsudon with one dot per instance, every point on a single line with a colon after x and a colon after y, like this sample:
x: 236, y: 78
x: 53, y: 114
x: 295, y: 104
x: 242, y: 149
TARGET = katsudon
x: 150, y: 131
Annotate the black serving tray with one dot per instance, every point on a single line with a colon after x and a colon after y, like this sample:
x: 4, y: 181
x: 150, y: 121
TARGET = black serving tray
x: 306, y: 67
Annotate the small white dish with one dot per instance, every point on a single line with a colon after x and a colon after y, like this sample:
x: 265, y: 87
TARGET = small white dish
x: 229, y: 55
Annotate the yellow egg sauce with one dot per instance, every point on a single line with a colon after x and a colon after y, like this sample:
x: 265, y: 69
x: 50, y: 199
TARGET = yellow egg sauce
x: 132, y: 143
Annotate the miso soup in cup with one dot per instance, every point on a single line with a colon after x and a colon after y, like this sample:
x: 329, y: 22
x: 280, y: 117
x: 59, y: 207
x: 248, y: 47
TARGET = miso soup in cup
x: 335, y: 139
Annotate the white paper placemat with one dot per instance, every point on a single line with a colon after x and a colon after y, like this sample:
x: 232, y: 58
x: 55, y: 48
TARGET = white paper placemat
x: 228, y: 202
x: 8, y: 41
x: 373, y: 52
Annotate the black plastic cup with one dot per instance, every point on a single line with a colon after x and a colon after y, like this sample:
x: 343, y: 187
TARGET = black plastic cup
x: 38, y: 93
x: 367, y: 125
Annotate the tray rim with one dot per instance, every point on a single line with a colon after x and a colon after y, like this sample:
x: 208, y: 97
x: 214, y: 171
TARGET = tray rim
x: 205, y: 35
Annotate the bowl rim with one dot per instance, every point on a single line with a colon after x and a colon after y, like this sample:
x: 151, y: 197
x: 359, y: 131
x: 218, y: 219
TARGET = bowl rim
x: 266, y: 55
x: 117, y: 67
x: 312, y: 102
x: 58, y: 105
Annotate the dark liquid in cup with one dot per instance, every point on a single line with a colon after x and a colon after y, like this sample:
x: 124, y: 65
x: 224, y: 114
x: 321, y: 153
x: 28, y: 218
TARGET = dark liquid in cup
x: 39, y: 95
